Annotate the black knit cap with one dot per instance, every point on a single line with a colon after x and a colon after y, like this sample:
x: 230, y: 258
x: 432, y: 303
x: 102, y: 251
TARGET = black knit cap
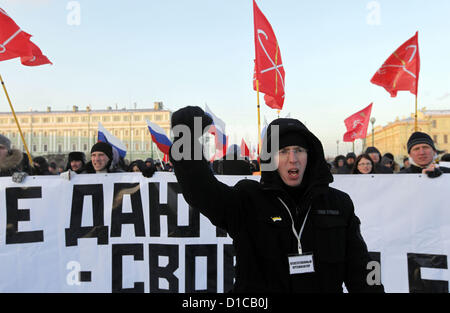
x: 293, y: 139
x: 77, y: 156
x: 103, y: 147
x: 418, y: 138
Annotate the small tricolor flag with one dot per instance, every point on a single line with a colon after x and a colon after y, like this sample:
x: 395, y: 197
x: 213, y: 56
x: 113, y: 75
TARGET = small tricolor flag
x: 106, y: 136
x: 159, y: 138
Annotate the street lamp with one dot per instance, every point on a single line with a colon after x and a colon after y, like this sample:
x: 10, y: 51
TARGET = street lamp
x: 372, y: 120
x: 337, y: 147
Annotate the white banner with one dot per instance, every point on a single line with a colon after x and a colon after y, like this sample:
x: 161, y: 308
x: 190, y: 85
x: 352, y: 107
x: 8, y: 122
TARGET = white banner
x: 127, y: 233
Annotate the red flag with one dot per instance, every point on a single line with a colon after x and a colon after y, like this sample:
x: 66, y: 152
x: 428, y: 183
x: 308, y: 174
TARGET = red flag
x: 37, y: 59
x: 401, y: 70
x: 357, y: 124
x: 14, y: 42
x: 269, y: 70
x: 245, y: 152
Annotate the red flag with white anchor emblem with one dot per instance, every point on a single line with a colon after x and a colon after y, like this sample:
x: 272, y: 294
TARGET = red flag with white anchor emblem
x: 401, y: 70
x: 269, y: 70
x: 37, y: 59
x: 15, y: 43
x: 357, y: 124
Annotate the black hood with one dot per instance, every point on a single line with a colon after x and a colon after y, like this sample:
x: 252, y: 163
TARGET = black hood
x: 317, y: 172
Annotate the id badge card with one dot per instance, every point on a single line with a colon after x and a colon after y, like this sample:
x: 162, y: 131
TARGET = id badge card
x: 301, y: 263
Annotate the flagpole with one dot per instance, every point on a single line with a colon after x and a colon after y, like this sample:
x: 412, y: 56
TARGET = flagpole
x: 17, y: 122
x: 415, y: 117
x: 259, y: 118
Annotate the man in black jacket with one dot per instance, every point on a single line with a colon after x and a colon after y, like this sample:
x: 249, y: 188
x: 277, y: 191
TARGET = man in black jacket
x: 375, y: 155
x: 286, y: 222
x: 422, y: 155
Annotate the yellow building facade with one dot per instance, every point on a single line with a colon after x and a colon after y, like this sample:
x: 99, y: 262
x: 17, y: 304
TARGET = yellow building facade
x: 60, y: 132
x: 394, y: 136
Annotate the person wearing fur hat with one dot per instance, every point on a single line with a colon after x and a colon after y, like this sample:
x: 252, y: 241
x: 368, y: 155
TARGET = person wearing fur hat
x: 290, y: 216
x: 10, y: 159
x: 422, y: 155
x: 76, y: 162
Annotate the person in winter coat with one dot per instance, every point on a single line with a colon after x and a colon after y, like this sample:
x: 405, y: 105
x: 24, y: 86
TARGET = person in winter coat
x: 136, y: 166
x: 338, y: 164
x: 76, y: 162
x: 363, y: 165
x: 10, y: 159
x: 40, y: 166
x: 422, y: 156
x: 102, y: 157
x: 233, y: 164
x: 291, y: 216
x: 349, y: 163
x: 375, y: 155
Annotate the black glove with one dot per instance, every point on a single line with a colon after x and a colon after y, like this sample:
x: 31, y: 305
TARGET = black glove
x: 436, y: 173
x: 186, y: 115
x: 149, y: 171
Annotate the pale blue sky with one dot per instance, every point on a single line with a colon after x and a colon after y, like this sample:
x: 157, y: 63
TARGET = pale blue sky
x: 201, y: 51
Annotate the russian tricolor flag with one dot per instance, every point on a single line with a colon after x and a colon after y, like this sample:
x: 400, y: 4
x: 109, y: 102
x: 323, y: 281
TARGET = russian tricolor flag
x: 106, y: 136
x: 159, y: 137
x: 218, y: 130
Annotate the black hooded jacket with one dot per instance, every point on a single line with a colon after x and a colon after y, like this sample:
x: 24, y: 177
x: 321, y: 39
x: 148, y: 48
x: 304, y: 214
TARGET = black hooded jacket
x: 261, y: 227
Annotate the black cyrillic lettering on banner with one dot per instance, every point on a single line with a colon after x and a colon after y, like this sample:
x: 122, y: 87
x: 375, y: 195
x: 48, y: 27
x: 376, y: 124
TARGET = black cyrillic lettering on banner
x: 98, y: 230
x: 163, y: 271
x: 171, y: 210
x: 419, y: 285
x: 136, y: 217
x: 228, y: 267
x: 14, y: 215
x: 208, y: 251
x: 118, y: 251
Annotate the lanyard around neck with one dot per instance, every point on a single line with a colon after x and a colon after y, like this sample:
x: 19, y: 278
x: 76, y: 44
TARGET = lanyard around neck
x: 299, y: 235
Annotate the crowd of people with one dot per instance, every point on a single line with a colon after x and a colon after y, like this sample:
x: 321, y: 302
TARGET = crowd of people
x: 422, y: 158
x: 103, y: 159
x: 290, y: 216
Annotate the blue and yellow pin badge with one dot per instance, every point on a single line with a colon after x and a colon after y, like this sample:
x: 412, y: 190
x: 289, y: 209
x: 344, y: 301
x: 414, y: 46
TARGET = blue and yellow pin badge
x: 276, y: 219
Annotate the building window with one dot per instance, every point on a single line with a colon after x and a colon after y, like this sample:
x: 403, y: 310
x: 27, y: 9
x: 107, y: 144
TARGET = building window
x: 45, y: 148
x: 137, y: 117
x: 34, y: 148
x: 434, y: 123
x: 158, y: 117
x: 85, y: 147
x: 60, y: 120
x: 106, y: 118
x: 116, y: 118
x: 445, y: 138
x: 59, y: 148
x: 125, y: 118
x: 74, y: 147
x: 74, y: 119
x: 435, y: 138
x: 137, y: 147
